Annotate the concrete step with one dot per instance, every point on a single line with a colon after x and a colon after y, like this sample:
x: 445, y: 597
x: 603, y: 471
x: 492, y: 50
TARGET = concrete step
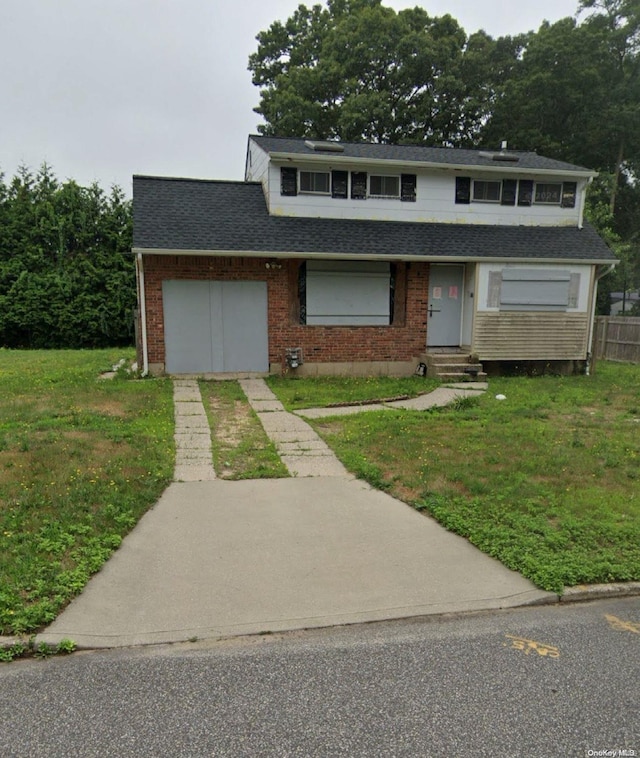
x: 439, y: 358
x: 461, y: 376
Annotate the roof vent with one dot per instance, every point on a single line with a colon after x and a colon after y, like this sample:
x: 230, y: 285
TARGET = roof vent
x: 324, y: 146
x: 501, y: 156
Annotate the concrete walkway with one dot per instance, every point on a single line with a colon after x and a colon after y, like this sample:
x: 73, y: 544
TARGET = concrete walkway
x: 218, y: 558
x: 301, y: 450
x: 440, y: 397
x: 192, y: 434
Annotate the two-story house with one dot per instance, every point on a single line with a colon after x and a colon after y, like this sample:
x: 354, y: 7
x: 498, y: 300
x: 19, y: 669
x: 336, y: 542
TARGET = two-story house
x: 366, y: 258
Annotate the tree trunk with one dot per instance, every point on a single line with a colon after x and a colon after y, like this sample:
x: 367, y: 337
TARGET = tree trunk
x: 616, y: 177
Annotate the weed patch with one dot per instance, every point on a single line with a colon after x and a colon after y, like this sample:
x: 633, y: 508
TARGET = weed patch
x: 81, y: 461
x: 241, y: 449
x: 545, y: 481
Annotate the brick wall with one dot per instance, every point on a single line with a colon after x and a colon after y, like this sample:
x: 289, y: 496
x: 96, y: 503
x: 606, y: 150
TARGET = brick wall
x: 404, y: 340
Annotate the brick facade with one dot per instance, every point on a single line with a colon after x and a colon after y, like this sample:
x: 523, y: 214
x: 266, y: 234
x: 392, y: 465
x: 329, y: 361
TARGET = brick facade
x: 404, y: 340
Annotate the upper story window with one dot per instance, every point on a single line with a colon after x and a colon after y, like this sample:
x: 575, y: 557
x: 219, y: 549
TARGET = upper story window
x: 548, y: 193
x: 523, y: 192
x: 384, y: 186
x: 314, y: 181
x: 358, y: 185
x: 486, y: 192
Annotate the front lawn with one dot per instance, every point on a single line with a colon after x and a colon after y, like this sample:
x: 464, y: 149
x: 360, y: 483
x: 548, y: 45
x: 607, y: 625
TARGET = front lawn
x: 547, y: 481
x: 81, y: 459
x: 306, y: 392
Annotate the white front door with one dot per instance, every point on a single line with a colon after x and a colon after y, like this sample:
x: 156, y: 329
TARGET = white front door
x: 444, y: 313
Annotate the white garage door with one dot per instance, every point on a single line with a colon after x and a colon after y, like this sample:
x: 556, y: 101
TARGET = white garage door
x: 215, y: 326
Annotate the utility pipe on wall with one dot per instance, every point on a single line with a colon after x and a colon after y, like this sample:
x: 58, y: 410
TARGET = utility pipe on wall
x: 143, y: 313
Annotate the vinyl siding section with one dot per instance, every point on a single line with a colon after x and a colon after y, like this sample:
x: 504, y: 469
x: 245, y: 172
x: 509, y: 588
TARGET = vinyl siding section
x: 514, y: 336
x: 257, y: 168
x: 435, y: 201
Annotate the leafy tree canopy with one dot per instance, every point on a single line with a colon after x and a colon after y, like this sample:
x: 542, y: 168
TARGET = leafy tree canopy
x: 67, y: 276
x: 357, y: 70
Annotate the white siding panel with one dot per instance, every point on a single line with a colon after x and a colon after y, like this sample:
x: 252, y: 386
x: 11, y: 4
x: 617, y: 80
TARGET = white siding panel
x: 435, y: 202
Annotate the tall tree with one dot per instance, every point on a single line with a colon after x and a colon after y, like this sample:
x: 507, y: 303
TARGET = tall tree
x: 66, y: 272
x: 357, y: 70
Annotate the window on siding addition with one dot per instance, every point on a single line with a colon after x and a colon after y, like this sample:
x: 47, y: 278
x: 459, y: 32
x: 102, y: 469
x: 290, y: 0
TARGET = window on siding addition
x: 384, y: 186
x: 486, y: 192
x: 533, y: 290
x: 548, y: 192
x: 346, y: 293
x: 316, y: 182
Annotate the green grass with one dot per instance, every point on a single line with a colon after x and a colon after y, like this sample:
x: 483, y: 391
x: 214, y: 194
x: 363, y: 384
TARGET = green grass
x: 240, y: 446
x: 547, y: 481
x: 296, y: 393
x: 81, y: 459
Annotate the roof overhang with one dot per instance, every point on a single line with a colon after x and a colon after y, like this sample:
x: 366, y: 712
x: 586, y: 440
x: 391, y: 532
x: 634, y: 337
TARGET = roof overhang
x: 500, y: 167
x: 280, y: 254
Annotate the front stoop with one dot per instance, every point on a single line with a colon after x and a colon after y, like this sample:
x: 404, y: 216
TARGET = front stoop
x: 453, y: 366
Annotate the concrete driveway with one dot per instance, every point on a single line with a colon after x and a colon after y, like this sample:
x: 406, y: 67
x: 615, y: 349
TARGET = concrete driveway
x: 219, y: 558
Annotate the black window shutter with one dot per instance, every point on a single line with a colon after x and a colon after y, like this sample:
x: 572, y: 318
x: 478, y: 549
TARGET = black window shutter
x: 463, y: 190
x: 288, y: 181
x: 302, y: 291
x: 525, y: 192
x: 358, y: 185
x: 569, y: 194
x: 408, y: 188
x: 339, y: 183
x: 509, y: 187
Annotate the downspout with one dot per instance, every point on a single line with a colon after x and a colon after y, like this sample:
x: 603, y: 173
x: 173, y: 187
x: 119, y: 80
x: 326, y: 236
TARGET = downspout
x: 592, y: 321
x: 143, y: 314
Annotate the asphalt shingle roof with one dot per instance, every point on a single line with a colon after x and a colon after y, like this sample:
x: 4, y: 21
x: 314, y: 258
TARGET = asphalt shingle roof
x: 220, y: 216
x: 529, y: 161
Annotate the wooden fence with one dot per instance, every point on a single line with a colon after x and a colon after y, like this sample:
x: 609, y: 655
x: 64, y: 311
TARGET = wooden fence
x: 617, y: 338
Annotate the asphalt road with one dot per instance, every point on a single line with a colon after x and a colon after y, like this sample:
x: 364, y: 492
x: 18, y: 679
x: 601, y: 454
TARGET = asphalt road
x: 543, y: 682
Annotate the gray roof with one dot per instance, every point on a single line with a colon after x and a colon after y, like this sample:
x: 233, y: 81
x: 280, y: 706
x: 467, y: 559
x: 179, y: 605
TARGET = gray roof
x: 220, y: 216
x: 454, y: 156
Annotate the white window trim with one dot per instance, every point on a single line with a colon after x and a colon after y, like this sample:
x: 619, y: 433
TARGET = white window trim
x: 310, y: 191
x: 486, y: 181
x: 397, y: 177
x: 547, y: 202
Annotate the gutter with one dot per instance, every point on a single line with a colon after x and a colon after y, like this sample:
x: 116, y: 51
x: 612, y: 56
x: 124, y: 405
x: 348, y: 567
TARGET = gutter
x: 606, y: 269
x: 302, y: 254
x: 143, y: 313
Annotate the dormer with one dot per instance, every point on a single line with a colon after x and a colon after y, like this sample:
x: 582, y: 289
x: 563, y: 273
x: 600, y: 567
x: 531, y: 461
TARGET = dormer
x: 413, y: 183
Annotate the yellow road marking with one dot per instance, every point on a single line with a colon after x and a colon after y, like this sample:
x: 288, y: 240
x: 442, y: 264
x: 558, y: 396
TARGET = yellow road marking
x: 526, y: 646
x: 622, y: 626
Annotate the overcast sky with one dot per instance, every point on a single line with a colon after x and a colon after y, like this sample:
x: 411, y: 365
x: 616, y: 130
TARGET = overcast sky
x: 103, y: 89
